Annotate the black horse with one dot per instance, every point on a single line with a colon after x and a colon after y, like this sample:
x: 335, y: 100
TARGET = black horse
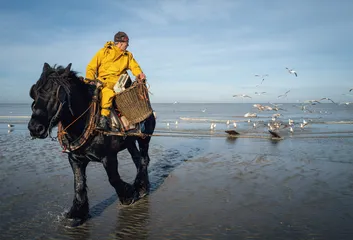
x: 61, y: 97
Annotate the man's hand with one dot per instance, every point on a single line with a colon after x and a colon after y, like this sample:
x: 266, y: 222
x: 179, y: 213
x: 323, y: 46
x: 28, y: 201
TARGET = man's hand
x: 141, y: 77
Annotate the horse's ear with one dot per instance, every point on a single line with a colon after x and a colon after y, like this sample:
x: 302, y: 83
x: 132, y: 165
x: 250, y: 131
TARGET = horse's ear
x: 46, y: 67
x: 67, y: 69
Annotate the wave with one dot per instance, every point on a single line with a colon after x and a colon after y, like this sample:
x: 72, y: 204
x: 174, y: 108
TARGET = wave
x: 211, y: 120
x: 14, y: 119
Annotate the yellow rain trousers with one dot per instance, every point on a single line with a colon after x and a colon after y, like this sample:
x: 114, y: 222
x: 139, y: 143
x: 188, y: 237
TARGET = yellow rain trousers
x: 107, y: 66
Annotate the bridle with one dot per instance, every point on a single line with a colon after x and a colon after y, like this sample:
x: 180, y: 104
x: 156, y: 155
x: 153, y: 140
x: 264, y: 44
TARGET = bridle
x: 57, y: 115
x: 61, y: 101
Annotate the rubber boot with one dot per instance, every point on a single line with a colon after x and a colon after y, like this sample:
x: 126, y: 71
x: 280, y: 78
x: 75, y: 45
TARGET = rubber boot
x: 103, y: 123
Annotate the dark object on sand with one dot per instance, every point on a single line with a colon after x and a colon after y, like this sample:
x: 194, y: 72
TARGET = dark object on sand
x: 61, y: 98
x: 274, y: 134
x: 232, y: 132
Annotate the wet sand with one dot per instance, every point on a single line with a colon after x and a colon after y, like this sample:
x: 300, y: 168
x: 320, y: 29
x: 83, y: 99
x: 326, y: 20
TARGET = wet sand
x: 202, y: 188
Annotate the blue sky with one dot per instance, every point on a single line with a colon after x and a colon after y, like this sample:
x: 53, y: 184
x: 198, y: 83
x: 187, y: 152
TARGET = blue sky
x: 191, y: 51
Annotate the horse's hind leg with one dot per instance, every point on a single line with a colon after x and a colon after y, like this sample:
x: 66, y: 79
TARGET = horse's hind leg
x: 141, y: 160
x: 80, y: 206
x: 125, y: 191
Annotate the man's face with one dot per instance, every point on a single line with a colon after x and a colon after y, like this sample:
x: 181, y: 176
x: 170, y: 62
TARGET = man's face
x: 122, y: 45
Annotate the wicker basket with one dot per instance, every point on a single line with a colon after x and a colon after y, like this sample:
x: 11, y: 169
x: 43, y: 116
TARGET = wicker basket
x: 134, y: 103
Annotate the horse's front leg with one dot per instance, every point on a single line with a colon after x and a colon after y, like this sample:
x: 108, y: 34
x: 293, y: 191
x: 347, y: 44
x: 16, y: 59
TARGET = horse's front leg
x: 125, y: 191
x: 141, y: 160
x: 80, y: 206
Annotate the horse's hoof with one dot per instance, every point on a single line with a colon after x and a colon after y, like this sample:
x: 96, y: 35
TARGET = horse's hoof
x: 142, y: 189
x: 143, y: 193
x: 75, y: 222
x: 130, y: 200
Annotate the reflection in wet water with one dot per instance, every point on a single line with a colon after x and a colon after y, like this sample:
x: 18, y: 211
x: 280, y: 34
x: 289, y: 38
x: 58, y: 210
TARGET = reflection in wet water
x: 133, y: 222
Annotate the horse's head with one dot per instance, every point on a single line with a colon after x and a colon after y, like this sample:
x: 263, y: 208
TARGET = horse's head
x: 50, y: 93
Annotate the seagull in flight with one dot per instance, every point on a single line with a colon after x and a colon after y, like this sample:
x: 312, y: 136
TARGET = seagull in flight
x: 351, y: 89
x: 242, y: 96
x: 262, y: 76
x: 312, y: 102
x: 325, y: 98
x: 284, y: 95
x: 259, y: 93
x: 291, y: 71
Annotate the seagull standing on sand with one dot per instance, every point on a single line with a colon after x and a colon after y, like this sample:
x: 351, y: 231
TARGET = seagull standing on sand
x: 10, y: 125
x: 291, y: 71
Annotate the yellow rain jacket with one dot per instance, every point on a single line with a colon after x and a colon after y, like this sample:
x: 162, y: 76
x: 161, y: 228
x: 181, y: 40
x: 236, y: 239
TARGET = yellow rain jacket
x: 107, y: 65
x: 110, y: 62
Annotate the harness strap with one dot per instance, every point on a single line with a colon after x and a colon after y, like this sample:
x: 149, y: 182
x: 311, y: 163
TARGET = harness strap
x: 80, y: 141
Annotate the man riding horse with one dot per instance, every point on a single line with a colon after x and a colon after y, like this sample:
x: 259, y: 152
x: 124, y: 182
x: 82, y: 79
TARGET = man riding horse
x: 108, y: 65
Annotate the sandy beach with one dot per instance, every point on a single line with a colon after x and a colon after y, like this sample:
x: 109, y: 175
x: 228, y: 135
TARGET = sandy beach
x: 202, y: 188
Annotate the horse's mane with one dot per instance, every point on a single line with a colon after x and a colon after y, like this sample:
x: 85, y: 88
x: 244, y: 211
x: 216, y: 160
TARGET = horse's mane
x: 56, y: 76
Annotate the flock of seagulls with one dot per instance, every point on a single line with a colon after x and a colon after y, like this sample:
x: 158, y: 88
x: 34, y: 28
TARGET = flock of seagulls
x: 274, y: 125
x: 263, y: 76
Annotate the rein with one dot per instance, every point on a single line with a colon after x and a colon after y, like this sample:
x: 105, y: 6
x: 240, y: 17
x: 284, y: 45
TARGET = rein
x: 63, y: 131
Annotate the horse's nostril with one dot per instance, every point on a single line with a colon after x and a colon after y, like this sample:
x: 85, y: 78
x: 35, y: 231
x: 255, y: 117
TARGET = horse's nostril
x: 40, y: 129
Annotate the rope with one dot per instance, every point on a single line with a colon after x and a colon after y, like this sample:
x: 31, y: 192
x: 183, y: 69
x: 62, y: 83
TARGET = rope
x: 193, y: 135
x: 62, y: 132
